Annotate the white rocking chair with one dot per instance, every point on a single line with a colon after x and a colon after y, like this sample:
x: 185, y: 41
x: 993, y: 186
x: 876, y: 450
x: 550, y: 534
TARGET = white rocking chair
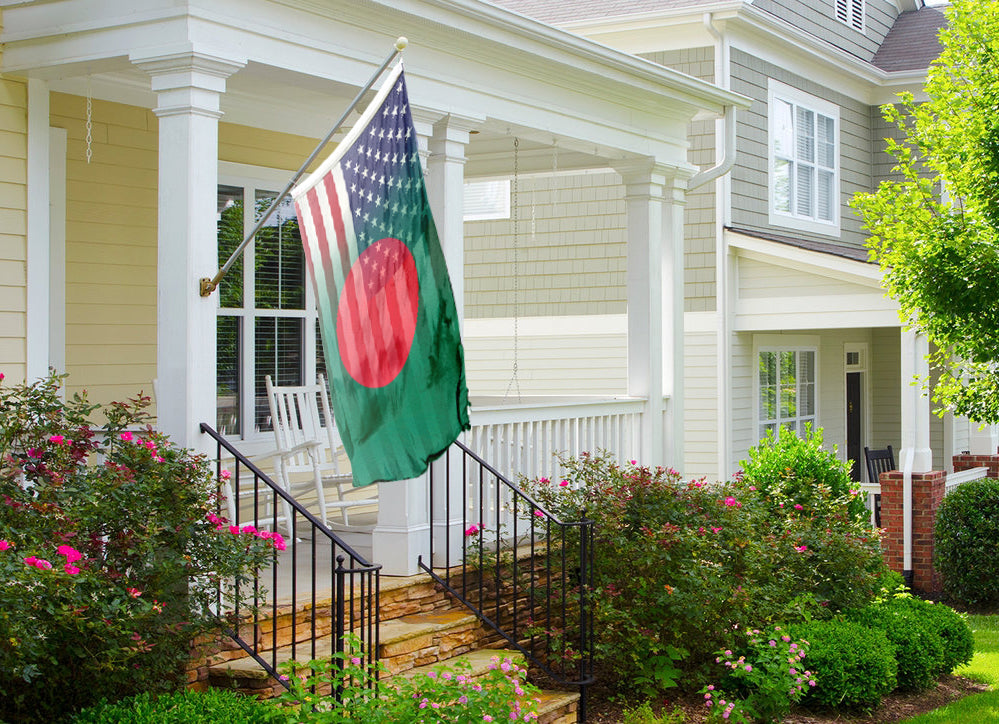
x: 308, y: 447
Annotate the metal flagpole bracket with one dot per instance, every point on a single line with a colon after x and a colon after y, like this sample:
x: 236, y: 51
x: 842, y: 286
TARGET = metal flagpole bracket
x: 209, y: 285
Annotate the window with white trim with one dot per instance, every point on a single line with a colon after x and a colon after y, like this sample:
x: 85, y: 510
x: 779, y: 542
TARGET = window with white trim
x: 787, y: 390
x: 266, y: 323
x: 851, y: 12
x: 804, y: 160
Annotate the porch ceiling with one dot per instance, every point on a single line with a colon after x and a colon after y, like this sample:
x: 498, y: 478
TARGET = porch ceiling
x: 304, y: 61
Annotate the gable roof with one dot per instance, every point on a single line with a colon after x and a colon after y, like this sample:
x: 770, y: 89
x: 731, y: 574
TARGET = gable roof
x: 556, y: 12
x: 912, y: 43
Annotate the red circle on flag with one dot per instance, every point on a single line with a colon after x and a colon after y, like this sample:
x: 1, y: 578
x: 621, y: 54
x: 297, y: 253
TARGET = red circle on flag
x: 376, y: 315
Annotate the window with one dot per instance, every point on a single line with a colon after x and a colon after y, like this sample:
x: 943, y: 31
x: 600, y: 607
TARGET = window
x: 266, y: 316
x: 804, y: 174
x: 486, y: 200
x: 851, y: 12
x: 786, y: 390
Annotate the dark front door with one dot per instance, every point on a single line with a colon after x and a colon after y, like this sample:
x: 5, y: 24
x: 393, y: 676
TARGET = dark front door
x: 854, y: 449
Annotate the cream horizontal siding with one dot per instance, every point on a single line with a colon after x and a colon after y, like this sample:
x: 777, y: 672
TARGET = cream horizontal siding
x: 744, y: 368
x: 758, y: 280
x: 564, y: 358
x: 700, y: 413
x: 886, y: 389
x: 110, y: 247
x: 571, y: 250
x: 13, y: 228
x: 256, y: 147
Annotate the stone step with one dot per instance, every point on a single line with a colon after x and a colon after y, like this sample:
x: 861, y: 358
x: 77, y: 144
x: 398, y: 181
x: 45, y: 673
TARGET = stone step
x: 404, y: 643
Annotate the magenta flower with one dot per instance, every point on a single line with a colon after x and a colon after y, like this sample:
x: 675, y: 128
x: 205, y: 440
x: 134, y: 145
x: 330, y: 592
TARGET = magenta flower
x: 226, y: 475
x: 248, y: 529
x: 799, y: 506
x: 72, y: 555
x: 30, y: 561
x: 563, y: 484
x: 4, y: 545
x: 472, y: 529
x: 539, y: 513
x: 57, y: 439
x: 801, y: 548
x: 134, y: 592
x: 71, y: 569
x: 234, y: 529
x: 715, y: 530
x: 279, y: 542
x: 126, y: 436
x: 730, y: 501
x: 34, y: 452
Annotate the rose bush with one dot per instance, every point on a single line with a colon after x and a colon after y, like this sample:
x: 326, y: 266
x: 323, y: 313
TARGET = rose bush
x: 685, y: 568
x: 112, y: 553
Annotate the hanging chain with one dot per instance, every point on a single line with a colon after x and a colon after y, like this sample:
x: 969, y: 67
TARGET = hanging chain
x: 514, y: 379
x: 90, y: 122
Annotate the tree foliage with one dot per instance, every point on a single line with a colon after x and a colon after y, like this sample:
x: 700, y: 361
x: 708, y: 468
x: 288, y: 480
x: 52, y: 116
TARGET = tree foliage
x: 935, y: 228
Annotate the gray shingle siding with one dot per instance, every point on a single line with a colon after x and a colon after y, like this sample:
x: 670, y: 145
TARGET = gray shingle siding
x: 818, y: 18
x: 750, y: 182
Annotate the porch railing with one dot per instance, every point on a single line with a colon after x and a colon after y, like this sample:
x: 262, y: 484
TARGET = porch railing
x: 317, y: 576
x: 521, y: 570
x: 522, y: 439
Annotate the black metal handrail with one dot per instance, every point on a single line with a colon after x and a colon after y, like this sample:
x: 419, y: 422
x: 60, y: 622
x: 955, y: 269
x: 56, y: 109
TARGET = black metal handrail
x: 523, y: 572
x: 353, y: 588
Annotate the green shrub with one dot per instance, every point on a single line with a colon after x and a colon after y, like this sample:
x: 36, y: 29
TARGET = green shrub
x: 794, y: 470
x: 214, y: 706
x: 955, y: 634
x: 112, y: 550
x: 854, y: 665
x: 919, y: 648
x: 683, y: 569
x: 966, y: 539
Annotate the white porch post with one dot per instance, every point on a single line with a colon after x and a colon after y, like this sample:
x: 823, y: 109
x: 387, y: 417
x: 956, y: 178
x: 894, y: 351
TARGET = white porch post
x: 984, y: 440
x: 915, y: 455
x: 446, y: 190
x: 38, y: 317
x: 654, y: 196
x: 188, y: 86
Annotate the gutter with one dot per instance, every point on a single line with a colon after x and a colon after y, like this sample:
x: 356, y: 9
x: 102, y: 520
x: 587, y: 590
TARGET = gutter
x: 724, y: 165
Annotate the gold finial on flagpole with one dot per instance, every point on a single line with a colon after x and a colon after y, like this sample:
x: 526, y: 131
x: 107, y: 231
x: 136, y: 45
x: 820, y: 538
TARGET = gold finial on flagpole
x: 401, y: 42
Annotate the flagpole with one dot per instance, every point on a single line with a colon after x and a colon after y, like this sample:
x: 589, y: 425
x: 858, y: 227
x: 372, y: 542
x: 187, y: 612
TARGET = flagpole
x: 210, y: 285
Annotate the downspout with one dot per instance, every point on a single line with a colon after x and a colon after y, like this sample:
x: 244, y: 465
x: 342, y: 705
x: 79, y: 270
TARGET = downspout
x: 724, y: 129
x: 721, y: 79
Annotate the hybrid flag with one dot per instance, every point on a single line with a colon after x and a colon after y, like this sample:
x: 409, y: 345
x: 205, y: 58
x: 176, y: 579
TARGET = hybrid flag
x: 386, y: 310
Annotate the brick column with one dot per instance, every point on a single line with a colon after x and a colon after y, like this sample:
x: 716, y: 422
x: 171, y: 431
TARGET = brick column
x: 927, y: 491
x: 966, y: 462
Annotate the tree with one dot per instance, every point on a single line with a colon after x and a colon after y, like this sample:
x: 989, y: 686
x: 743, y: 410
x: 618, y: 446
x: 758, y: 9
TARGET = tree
x: 935, y: 230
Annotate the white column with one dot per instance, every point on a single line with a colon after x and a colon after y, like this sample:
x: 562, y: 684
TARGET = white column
x: 984, y: 439
x: 654, y: 198
x: 446, y: 187
x: 402, y: 533
x: 915, y: 455
x: 188, y: 86
x: 38, y: 317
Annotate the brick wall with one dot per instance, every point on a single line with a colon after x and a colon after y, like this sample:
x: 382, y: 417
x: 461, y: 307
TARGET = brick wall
x: 927, y: 492
x: 966, y: 462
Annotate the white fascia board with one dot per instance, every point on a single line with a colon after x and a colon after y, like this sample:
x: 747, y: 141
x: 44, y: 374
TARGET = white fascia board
x: 815, y: 319
x: 861, y: 273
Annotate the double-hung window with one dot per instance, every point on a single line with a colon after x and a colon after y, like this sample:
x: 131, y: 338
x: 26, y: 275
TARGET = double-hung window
x: 266, y: 316
x: 787, y: 390
x: 804, y: 160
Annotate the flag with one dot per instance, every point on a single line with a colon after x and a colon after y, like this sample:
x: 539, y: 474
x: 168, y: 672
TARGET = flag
x: 386, y: 310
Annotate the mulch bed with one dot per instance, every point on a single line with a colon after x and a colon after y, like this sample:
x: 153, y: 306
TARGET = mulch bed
x: 895, y: 707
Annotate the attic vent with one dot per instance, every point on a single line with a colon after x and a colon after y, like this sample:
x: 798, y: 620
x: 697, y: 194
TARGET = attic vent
x: 851, y: 12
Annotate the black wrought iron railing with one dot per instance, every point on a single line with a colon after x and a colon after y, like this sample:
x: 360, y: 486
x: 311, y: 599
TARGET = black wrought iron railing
x: 522, y: 571
x: 313, y: 593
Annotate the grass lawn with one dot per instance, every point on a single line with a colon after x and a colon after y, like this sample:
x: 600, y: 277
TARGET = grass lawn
x: 984, y: 667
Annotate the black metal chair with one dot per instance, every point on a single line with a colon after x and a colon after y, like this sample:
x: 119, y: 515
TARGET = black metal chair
x: 878, y: 461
